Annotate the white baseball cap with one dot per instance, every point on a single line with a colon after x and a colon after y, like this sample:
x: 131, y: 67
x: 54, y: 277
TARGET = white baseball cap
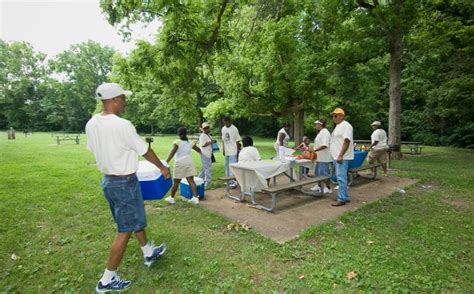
x: 111, y: 90
x: 376, y: 123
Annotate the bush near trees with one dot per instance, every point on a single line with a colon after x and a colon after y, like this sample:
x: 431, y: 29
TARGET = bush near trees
x: 406, y: 63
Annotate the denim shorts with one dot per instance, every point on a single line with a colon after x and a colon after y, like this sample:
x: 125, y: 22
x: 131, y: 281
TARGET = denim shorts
x: 322, y: 169
x: 125, y: 202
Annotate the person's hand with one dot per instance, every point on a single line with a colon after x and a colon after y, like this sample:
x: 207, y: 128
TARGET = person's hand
x: 165, y: 172
x: 339, y: 159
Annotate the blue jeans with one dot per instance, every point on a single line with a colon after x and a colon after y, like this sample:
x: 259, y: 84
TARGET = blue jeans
x: 125, y: 202
x: 322, y: 169
x: 228, y: 160
x: 341, y: 174
x: 206, y: 170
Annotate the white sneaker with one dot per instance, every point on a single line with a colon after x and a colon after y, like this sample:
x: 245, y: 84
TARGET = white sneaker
x: 327, y: 190
x: 194, y: 200
x: 316, y: 188
x: 170, y: 200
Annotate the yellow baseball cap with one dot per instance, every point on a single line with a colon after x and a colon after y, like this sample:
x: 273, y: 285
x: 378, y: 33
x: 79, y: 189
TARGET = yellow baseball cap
x: 338, y: 111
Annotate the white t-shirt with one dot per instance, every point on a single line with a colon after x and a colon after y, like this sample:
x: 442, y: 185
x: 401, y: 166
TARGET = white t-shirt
x: 184, y: 149
x: 286, y: 139
x: 230, y: 137
x: 249, y: 153
x: 342, y: 131
x: 381, y: 136
x: 207, y: 150
x: 115, y: 144
x: 323, y: 139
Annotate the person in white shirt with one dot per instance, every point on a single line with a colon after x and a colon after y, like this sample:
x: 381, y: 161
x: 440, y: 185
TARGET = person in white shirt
x: 248, y: 153
x: 183, y: 165
x: 323, y: 158
x: 205, y: 143
x: 342, y: 152
x: 116, y: 146
x: 379, y: 147
x: 283, y: 138
x: 231, y: 146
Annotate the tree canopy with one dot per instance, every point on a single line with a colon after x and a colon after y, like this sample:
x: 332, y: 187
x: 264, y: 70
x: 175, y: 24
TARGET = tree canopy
x: 406, y: 63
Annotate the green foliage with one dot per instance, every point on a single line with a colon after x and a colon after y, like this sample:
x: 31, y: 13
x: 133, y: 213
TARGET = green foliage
x: 22, y: 71
x: 81, y: 68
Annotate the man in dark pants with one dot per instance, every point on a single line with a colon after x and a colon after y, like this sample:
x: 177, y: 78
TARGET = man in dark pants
x: 116, y: 147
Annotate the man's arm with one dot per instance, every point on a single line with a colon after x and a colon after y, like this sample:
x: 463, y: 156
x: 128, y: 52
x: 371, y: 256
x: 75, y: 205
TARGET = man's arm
x: 153, y: 158
x: 373, y: 144
x: 344, y: 148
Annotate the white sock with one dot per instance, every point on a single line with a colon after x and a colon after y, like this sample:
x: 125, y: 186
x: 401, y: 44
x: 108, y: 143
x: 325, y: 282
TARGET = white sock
x: 147, y: 250
x: 107, y: 277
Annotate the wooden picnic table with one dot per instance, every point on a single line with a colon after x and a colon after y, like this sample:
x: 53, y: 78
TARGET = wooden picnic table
x: 252, y: 177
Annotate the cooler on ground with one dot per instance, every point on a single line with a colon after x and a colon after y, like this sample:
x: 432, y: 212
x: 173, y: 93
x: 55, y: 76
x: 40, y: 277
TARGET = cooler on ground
x: 186, y: 189
x: 153, y: 184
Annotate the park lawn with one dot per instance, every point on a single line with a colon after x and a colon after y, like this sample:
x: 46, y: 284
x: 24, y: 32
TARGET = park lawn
x: 57, y: 224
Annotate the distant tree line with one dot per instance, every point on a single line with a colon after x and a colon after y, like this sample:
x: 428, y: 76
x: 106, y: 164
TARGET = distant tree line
x: 406, y: 63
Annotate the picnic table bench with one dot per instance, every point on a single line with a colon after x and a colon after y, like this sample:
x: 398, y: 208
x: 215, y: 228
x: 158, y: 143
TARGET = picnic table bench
x: 415, y: 147
x: 60, y: 138
x: 354, y: 172
x: 273, y: 190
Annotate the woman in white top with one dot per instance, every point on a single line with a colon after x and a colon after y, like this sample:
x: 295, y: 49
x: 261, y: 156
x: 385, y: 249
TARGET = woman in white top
x: 323, y: 159
x: 248, y: 153
x: 282, y: 139
x: 183, y: 165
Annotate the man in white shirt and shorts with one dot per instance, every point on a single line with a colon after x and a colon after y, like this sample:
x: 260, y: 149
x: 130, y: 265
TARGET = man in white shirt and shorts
x: 379, y: 147
x: 116, y: 147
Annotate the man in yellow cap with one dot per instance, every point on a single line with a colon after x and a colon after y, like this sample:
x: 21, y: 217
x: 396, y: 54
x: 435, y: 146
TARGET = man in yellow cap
x: 342, y: 152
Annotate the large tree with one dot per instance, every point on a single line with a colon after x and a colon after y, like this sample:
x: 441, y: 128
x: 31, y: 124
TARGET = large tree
x: 80, y: 70
x: 21, y: 72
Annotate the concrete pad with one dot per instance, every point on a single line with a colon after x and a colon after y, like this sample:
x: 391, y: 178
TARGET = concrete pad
x: 296, y: 211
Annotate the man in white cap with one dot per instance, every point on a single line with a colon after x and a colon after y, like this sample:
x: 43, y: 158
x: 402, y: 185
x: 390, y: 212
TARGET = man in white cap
x: 116, y: 146
x: 205, y: 141
x: 342, y: 151
x: 379, y: 147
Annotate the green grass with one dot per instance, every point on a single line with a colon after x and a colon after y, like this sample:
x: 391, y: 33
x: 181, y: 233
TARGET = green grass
x: 56, y: 221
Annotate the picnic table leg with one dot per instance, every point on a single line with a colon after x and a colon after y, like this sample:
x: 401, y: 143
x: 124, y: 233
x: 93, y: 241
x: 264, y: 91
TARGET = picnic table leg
x: 57, y: 137
x: 271, y: 208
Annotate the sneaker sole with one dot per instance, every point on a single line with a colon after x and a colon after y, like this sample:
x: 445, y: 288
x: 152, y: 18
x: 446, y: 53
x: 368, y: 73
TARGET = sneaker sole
x: 149, y: 263
x: 110, y: 290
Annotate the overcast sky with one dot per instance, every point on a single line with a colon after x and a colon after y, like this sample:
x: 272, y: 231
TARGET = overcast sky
x: 52, y: 26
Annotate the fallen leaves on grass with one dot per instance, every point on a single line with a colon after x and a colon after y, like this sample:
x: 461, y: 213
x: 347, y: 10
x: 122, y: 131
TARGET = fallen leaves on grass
x: 301, y: 277
x: 14, y: 257
x: 370, y: 242
x: 351, y: 275
x: 236, y: 226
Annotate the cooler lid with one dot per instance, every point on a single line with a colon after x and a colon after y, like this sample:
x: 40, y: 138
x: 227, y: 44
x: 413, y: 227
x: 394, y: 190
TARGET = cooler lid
x: 197, y: 180
x: 147, y: 171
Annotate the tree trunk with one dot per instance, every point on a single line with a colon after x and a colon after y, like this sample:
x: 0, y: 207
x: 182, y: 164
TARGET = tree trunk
x: 152, y: 130
x: 395, y: 39
x: 298, y: 124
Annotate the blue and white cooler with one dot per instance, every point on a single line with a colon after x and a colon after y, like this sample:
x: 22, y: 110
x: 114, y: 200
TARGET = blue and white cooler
x: 186, y: 190
x: 153, y: 184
